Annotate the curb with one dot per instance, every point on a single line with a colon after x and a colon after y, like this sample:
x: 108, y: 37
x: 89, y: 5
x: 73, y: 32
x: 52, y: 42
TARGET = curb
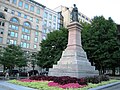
x: 105, y: 86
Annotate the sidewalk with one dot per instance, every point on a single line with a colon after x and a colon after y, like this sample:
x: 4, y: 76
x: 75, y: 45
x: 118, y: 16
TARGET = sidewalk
x: 8, y: 86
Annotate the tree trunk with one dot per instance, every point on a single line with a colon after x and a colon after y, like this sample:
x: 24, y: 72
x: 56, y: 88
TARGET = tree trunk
x: 113, y: 71
x: 103, y: 70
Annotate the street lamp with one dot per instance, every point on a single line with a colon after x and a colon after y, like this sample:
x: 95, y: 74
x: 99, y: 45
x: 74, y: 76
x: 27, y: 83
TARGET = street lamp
x: 33, y: 61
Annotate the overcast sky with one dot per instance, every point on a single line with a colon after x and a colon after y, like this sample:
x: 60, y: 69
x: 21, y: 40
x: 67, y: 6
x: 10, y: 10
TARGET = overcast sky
x: 91, y: 8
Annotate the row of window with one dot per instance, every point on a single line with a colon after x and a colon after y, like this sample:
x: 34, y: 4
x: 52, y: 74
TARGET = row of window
x: 13, y: 34
x: 23, y: 44
x: 26, y: 24
x: 49, y: 24
x: 21, y: 15
x: 26, y: 6
x: 83, y: 17
x: 49, y: 16
x: 13, y: 27
x: 27, y: 45
x: 25, y: 37
x: 10, y: 41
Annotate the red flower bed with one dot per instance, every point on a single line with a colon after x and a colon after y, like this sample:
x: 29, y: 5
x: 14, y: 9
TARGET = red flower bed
x: 69, y: 85
x: 60, y: 80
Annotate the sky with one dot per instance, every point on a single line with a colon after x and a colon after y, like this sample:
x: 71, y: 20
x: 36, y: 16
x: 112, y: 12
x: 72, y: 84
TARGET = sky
x: 90, y: 8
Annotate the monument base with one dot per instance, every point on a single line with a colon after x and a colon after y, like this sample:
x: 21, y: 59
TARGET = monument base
x: 74, y: 60
x: 73, y: 63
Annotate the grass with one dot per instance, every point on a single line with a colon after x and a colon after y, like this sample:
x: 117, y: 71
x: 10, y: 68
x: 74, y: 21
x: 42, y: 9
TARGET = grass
x: 44, y: 85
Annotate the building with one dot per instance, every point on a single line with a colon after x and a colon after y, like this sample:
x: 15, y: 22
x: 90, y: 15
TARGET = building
x: 50, y: 22
x: 66, y: 13
x: 21, y: 23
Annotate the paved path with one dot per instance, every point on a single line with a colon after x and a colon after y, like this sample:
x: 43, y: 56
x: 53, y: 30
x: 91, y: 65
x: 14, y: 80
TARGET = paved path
x: 116, y: 87
x: 8, y: 86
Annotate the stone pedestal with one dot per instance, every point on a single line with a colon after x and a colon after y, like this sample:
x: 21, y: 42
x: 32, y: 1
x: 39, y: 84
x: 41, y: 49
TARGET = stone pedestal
x: 74, y: 60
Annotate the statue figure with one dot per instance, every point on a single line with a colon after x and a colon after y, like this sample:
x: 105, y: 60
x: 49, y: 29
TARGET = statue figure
x: 75, y: 14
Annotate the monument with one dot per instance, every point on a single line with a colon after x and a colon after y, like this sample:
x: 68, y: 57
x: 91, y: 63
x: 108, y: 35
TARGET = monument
x: 73, y: 61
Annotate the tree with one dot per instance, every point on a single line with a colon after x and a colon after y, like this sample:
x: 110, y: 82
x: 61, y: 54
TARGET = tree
x: 13, y: 56
x: 99, y: 40
x: 52, y: 47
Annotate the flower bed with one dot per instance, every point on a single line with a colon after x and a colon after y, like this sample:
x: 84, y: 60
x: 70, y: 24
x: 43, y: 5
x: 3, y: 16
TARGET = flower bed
x: 60, y: 83
x: 46, y: 85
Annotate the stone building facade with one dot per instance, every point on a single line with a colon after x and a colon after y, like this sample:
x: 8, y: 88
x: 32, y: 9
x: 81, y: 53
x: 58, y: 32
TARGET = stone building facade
x: 21, y: 23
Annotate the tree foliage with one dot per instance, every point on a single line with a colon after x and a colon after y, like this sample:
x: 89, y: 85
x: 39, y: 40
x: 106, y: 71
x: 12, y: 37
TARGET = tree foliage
x: 13, y: 56
x: 100, y: 41
x: 52, y: 47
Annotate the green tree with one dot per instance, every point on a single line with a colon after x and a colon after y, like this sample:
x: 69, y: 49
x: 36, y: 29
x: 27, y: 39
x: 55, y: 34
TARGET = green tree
x: 13, y: 56
x: 99, y: 40
x: 52, y: 47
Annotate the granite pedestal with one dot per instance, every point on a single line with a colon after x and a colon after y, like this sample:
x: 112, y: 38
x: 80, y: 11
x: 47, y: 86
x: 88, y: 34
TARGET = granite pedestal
x: 74, y: 60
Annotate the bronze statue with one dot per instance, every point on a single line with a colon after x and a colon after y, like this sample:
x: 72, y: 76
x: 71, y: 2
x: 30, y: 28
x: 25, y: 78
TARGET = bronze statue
x: 75, y: 14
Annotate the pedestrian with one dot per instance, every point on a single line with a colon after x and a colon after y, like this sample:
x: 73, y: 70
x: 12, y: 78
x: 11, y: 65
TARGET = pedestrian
x: 7, y: 74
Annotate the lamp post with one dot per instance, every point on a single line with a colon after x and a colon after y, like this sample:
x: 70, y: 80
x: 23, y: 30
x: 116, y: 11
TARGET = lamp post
x: 33, y: 61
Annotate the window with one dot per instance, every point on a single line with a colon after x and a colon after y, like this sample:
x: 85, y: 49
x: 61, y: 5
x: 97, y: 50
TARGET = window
x: 25, y: 16
x: 13, y: 34
x: 32, y: 8
x: 44, y: 37
x: 38, y: 11
x: 25, y: 30
x: 27, y: 24
x: 31, y: 18
x: 54, y: 19
x: 37, y: 27
x: 2, y: 23
x: 2, y: 15
x: 37, y: 20
x: 1, y: 39
x: 44, y: 31
x: 36, y: 33
x: 83, y: 16
x: 26, y: 37
x: 26, y: 6
x: 25, y: 45
x: 47, y: 31
x: 50, y: 24
x: 45, y: 15
x: 12, y: 12
x: 14, y: 1
x: 36, y: 39
x: 13, y: 27
x: 54, y: 25
x: 20, y: 4
x: 35, y: 46
x: 6, y: 9
x: 1, y: 31
x: 50, y: 16
x: 12, y: 42
x: 45, y: 22
x: 15, y: 20
x: 19, y: 14
x: 28, y: 45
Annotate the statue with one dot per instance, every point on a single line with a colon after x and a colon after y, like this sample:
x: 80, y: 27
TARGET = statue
x: 75, y: 14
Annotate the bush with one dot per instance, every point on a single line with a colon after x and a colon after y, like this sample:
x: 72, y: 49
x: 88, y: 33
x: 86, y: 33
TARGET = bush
x: 66, y: 79
x: 97, y: 79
